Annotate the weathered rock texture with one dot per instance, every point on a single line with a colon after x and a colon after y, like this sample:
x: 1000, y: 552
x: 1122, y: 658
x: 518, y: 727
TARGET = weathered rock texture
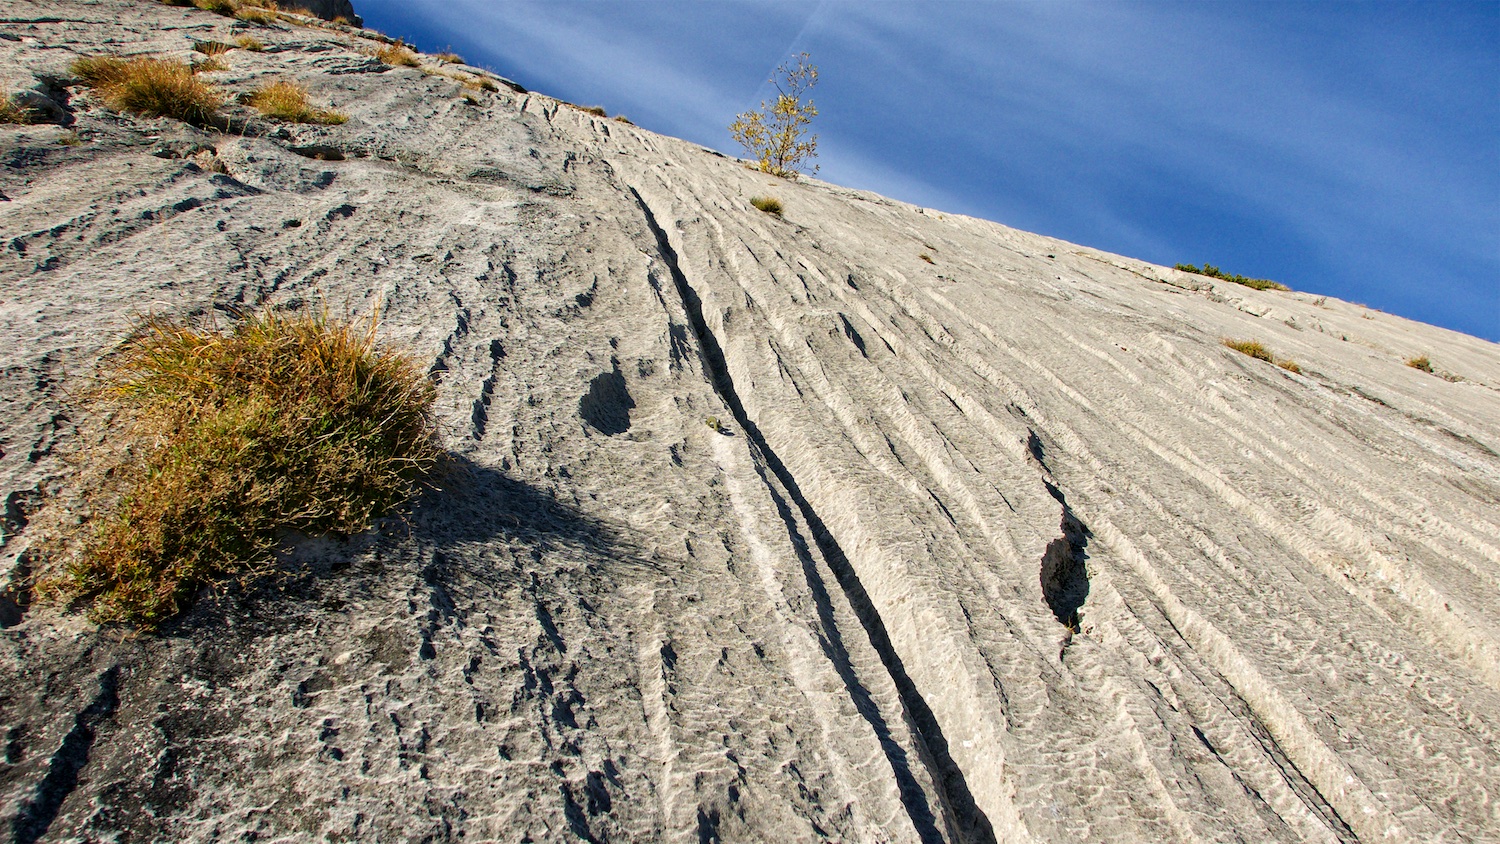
x: 1004, y: 547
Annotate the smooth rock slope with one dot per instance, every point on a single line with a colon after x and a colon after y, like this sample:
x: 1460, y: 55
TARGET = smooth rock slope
x: 1006, y: 546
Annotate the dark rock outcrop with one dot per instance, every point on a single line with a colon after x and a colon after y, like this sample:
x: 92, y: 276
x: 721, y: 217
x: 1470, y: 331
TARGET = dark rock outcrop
x: 329, y: 9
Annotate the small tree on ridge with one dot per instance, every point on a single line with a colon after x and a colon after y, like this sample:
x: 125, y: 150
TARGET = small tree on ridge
x: 777, y: 135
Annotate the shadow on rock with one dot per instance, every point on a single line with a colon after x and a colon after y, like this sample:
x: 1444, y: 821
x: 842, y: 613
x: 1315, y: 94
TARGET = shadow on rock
x: 477, y: 525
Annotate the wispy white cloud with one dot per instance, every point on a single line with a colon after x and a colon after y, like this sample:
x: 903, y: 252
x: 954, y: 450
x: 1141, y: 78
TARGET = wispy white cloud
x: 1349, y: 144
x: 1140, y: 89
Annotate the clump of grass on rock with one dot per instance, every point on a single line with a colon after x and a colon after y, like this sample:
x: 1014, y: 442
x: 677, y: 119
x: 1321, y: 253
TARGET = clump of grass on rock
x: 218, y: 7
x: 151, y: 87
x: 1214, y: 272
x: 1253, y: 348
x: 257, y: 15
x: 768, y: 204
x: 11, y: 112
x: 398, y: 55
x: 212, y: 48
x: 221, y: 442
x: 242, y: 9
x: 1421, y: 362
x: 288, y: 101
x: 1259, y: 351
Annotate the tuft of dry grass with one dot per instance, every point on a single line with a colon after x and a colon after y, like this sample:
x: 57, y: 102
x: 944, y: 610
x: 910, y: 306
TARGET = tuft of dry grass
x: 1253, y: 348
x: 1259, y: 351
x: 212, y: 48
x: 222, y: 442
x: 623, y: 119
x: 398, y: 55
x: 150, y: 87
x: 251, y: 43
x: 12, y: 113
x: 288, y: 101
x: 226, y: 8
x: 597, y: 111
x: 256, y: 15
x: 209, y: 65
x: 448, y: 57
x: 468, y: 80
x: 1421, y: 362
x: 768, y: 204
x: 928, y: 258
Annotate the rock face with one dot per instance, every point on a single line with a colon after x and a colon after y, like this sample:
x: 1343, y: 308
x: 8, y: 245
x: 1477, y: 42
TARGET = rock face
x: 1003, y: 547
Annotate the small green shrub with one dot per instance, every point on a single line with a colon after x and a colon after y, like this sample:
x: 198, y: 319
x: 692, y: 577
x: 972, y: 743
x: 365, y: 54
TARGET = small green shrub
x: 288, y: 101
x: 768, y: 204
x: 150, y: 87
x: 1419, y: 362
x: 222, y: 442
x: 1214, y: 272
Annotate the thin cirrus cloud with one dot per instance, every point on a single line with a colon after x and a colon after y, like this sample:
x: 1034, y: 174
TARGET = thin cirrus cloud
x: 1347, y: 149
x: 1174, y: 132
x: 668, y: 65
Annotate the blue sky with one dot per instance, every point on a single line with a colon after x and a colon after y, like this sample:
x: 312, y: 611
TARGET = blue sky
x: 1344, y: 148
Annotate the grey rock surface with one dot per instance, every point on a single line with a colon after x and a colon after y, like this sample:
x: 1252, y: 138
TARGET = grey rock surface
x: 1006, y: 547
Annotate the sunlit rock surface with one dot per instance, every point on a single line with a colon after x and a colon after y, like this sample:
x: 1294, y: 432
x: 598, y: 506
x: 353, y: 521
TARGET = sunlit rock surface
x: 1006, y: 546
